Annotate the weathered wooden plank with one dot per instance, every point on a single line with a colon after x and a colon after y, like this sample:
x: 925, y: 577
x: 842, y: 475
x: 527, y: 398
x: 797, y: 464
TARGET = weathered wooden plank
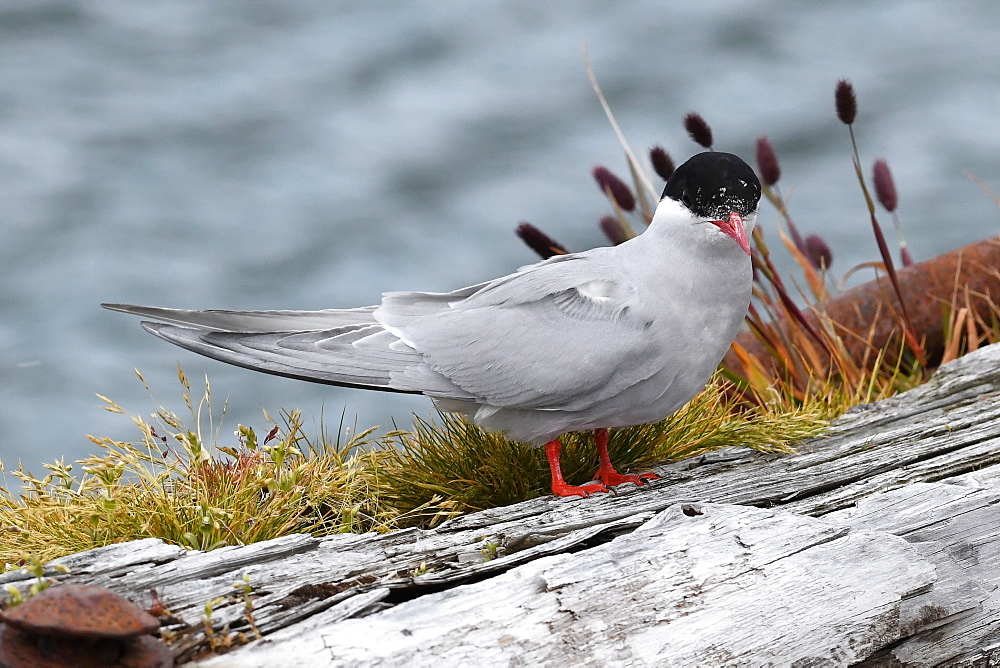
x: 112, y: 560
x: 951, y: 596
x: 680, y: 590
x: 947, y: 465
x: 956, y: 526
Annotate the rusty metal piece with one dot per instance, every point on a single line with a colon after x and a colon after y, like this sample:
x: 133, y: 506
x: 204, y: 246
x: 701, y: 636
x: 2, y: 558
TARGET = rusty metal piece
x: 88, y: 611
x: 20, y: 649
x: 80, y: 625
x: 866, y: 317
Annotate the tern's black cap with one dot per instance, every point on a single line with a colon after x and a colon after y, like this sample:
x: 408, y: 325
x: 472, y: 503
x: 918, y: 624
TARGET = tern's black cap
x: 713, y: 184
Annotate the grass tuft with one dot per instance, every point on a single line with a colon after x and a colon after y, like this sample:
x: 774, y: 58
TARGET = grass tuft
x: 194, y: 484
x: 171, y: 484
x: 475, y: 469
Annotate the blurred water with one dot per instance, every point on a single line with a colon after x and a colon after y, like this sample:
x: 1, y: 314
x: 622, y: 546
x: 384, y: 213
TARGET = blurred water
x: 310, y: 155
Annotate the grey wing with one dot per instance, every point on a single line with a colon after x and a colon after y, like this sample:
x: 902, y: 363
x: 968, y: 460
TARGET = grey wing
x: 560, y: 335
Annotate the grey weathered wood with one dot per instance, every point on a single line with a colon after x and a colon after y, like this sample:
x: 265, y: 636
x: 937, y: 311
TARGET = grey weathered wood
x: 886, y: 475
x: 651, y: 597
x: 957, y: 527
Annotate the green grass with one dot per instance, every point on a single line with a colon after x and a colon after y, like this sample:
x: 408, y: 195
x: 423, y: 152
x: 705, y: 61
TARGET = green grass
x: 474, y: 469
x: 196, y: 484
x: 175, y: 484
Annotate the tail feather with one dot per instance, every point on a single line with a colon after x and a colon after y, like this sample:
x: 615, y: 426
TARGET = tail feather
x: 345, y: 347
x: 331, y: 357
x: 252, y: 321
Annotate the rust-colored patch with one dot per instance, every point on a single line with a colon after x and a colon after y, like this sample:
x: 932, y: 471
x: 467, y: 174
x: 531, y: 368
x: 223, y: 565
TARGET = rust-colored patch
x: 80, y: 625
x: 81, y: 610
x: 867, y: 316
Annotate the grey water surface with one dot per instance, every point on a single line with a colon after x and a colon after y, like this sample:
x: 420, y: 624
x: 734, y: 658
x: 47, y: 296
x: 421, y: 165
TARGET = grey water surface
x: 309, y: 155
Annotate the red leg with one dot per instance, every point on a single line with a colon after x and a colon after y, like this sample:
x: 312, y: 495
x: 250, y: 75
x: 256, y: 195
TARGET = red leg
x: 559, y: 486
x: 607, y: 473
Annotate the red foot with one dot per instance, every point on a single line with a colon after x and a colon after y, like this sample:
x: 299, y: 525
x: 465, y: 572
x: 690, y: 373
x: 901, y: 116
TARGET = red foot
x: 612, y: 478
x: 607, y: 473
x: 559, y: 486
x: 562, y: 489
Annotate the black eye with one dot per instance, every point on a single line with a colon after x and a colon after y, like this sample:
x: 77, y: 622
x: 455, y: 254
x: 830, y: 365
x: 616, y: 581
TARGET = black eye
x: 686, y: 198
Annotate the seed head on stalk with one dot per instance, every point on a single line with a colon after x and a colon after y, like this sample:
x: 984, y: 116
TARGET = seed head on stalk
x: 770, y: 172
x: 613, y: 230
x: 698, y: 129
x: 614, y: 187
x: 885, y: 191
x: 539, y: 242
x: 818, y: 252
x: 846, y: 103
x: 662, y: 163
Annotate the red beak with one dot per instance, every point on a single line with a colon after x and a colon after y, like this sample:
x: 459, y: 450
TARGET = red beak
x: 733, y: 228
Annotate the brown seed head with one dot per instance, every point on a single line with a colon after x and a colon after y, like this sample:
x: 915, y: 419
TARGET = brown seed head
x: 818, y: 252
x: 767, y: 162
x: 663, y: 164
x: 607, y: 181
x: 539, y: 242
x: 698, y: 129
x: 612, y: 229
x: 847, y: 102
x: 885, y: 188
x: 904, y: 254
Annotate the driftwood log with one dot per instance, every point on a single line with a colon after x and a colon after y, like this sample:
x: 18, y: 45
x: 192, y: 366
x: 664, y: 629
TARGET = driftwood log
x: 877, y: 545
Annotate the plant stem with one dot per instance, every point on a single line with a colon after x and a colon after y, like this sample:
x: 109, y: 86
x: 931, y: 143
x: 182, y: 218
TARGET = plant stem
x: 908, y: 330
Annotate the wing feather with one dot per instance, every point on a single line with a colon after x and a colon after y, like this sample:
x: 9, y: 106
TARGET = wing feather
x: 546, y: 337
